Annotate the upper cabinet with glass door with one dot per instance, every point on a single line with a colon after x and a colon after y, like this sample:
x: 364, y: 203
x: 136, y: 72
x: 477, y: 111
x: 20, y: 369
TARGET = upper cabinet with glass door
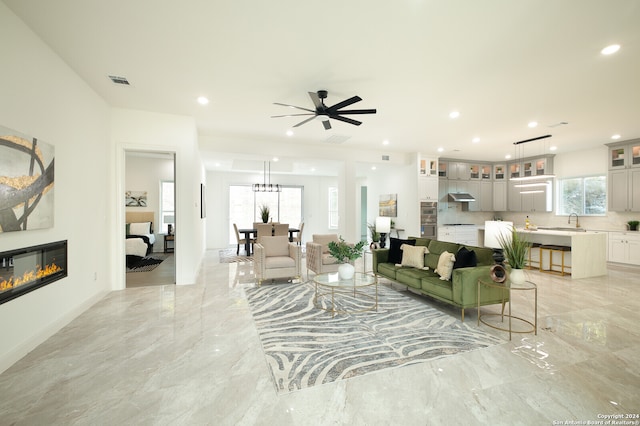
x: 623, y: 155
x: 479, y: 171
x: 427, y: 166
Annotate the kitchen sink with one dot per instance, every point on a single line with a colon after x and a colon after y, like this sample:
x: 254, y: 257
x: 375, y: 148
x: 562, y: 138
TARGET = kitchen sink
x: 561, y: 228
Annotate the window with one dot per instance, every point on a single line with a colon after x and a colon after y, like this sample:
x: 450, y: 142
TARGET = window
x: 244, y: 206
x: 586, y: 196
x: 333, y: 208
x: 167, y: 206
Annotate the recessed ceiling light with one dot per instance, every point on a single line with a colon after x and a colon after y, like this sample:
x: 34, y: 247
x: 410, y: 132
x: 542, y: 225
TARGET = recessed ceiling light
x: 440, y: 149
x: 313, y: 169
x: 507, y: 156
x: 385, y: 142
x: 289, y: 132
x: 616, y: 136
x: 217, y: 164
x: 454, y: 114
x: 609, y: 50
x: 475, y: 140
x: 553, y: 148
x: 202, y: 100
x: 275, y: 159
x: 532, y: 124
x: 373, y: 167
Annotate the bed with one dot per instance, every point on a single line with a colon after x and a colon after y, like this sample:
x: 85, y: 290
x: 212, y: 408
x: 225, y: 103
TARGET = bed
x: 139, y: 235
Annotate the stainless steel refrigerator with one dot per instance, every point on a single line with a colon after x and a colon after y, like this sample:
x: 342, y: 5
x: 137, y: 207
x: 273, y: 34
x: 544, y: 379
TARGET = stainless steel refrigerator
x: 429, y: 219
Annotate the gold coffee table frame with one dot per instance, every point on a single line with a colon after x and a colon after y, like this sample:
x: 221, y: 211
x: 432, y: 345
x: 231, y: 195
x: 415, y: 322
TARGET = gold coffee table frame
x: 507, y: 287
x: 330, y: 284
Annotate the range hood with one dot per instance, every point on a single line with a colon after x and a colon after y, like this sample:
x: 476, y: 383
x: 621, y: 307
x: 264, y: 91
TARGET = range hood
x: 461, y: 197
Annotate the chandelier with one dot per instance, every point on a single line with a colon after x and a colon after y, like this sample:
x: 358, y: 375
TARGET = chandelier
x: 266, y: 185
x: 529, y: 183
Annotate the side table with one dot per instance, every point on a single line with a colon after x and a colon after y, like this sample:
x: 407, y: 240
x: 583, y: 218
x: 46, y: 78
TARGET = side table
x: 169, y: 238
x: 508, y: 287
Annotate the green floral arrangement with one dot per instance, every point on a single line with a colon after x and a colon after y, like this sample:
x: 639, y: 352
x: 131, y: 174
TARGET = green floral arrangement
x: 264, y: 213
x: 345, y: 252
x: 514, y: 249
x: 375, y: 236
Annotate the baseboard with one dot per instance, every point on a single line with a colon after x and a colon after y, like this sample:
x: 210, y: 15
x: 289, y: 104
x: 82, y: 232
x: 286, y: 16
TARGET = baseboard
x: 23, y: 349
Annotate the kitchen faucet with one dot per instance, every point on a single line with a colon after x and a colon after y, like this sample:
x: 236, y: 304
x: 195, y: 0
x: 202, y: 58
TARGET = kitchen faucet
x: 577, y: 220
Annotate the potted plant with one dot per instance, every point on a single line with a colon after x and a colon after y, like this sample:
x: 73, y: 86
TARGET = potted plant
x: 633, y: 225
x: 515, y: 248
x: 375, y: 236
x: 345, y: 253
x: 264, y: 213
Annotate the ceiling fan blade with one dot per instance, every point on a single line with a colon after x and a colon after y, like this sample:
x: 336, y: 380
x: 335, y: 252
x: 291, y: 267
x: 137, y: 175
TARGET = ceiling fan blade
x: 290, y: 115
x: 305, y: 121
x: 344, y: 103
x: 326, y: 124
x: 346, y: 120
x: 356, y: 111
x: 316, y: 100
x: 293, y: 106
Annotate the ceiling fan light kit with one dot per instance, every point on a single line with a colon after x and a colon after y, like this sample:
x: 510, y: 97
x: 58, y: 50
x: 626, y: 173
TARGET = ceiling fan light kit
x: 324, y: 113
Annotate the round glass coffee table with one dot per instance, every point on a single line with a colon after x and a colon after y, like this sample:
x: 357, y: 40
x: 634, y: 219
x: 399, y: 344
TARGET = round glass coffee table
x: 359, y: 294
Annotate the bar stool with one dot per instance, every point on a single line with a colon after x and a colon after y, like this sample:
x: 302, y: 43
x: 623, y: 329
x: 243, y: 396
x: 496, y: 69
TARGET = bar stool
x: 561, y: 250
x: 534, y: 249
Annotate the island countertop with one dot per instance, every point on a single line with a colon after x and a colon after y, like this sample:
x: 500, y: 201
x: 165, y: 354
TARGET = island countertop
x: 588, y: 248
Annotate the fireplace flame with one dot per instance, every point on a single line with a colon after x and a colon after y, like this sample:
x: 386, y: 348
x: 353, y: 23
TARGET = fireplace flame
x: 29, y: 276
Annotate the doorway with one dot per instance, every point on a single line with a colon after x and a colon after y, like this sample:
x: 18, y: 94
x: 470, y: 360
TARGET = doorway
x: 149, y: 198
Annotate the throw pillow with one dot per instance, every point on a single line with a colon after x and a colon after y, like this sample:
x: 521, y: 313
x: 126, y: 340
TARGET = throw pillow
x: 465, y: 258
x: 395, y: 250
x: 445, y: 265
x: 142, y: 228
x: 413, y: 256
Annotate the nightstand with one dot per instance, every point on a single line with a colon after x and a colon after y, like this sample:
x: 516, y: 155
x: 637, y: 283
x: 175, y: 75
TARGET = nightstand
x: 169, y: 239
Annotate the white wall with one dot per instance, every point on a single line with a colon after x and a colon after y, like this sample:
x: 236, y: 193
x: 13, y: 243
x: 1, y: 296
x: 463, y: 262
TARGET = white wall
x: 43, y: 98
x: 148, y: 131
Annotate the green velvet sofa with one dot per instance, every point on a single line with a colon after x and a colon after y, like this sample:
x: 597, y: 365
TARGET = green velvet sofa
x: 461, y: 291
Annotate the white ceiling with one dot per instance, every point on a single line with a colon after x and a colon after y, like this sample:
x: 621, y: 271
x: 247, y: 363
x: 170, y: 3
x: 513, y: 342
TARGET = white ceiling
x: 500, y: 63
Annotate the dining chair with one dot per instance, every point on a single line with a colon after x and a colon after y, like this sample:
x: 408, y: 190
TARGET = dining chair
x: 240, y: 240
x: 298, y: 238
x: 263, y: 230
x: 281, y: 229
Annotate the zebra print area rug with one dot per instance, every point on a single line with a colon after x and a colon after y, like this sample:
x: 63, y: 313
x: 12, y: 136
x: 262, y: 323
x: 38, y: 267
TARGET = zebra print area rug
x: 304, y: 346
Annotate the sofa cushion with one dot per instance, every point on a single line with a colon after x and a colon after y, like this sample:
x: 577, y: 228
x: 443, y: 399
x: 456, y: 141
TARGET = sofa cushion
x: 395, y: 252
x: 413, y: 256
x: 275, y: 246
x: 324, y: 240
x: 388, y: 270
x: 439, y: 288
x: 431, y: 260
x: 484, y: 256
x: 413, y: 277
x: 421, y: 241
x: 465, y: 258
x: 445, y: 265
x: 439, y: 247
x: 274, y: 262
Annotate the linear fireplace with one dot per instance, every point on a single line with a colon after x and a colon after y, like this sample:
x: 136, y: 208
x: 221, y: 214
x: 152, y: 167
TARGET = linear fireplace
x: 27, y: 269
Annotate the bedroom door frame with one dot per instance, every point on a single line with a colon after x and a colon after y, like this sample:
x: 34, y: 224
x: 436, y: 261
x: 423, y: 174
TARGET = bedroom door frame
x: 120, y: 279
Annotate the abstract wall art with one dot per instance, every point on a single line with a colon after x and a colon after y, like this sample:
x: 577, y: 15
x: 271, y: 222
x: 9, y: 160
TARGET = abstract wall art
x: 135, y: 198
x: 388, y: 205
x: 26, y: 182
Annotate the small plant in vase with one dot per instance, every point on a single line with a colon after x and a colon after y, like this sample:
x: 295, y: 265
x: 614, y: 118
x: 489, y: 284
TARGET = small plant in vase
x: 515, y: 249
x: 375, y: 236
x: 633, y: 225
x: 345, y: 254
x: 264, y: 213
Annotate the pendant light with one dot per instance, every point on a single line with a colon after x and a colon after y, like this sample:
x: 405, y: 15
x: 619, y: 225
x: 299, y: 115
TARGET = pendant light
x: 534, y: 177
x: 266, y: 185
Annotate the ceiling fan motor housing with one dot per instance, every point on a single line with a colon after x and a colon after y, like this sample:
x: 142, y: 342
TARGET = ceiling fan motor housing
x: 322, y: 94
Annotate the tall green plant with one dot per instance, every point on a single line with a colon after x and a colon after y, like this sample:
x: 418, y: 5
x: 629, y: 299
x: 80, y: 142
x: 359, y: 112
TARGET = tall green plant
x: 514, y: 247
x: 375, y: 236
x: 264, y: 213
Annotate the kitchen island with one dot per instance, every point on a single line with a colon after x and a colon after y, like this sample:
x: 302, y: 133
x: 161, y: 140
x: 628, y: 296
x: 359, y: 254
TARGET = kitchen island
x: 588, y: 248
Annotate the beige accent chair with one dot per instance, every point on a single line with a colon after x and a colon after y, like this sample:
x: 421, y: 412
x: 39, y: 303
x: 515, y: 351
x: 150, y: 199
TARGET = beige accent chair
x: 319, y: 260
x: 276, y: 257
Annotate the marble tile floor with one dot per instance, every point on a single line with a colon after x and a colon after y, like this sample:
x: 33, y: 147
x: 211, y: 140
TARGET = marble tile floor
x: 190, y: 355
x: 161, y: 275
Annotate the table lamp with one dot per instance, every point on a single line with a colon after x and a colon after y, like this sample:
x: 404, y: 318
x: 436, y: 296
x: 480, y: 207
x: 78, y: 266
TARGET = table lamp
x: 383, y: 227
x: 492, y: 230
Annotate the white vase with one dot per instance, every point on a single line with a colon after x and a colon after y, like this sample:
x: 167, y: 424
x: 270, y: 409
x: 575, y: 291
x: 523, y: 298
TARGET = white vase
x: 346, y: 271
x: 517, y: 276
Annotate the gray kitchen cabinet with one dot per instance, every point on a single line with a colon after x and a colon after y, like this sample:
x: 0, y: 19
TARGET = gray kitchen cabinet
x: 624, y: 176
x: 500, y: 196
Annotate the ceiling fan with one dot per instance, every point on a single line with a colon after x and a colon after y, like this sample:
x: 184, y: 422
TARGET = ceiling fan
x: 324, y: 113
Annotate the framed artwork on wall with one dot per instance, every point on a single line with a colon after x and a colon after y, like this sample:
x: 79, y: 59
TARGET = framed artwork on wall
x: 26, y: 182
x: 135, y: 199
x: 388, y: 205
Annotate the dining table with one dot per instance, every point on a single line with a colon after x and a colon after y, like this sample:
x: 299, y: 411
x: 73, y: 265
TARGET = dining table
x: 251, y: 232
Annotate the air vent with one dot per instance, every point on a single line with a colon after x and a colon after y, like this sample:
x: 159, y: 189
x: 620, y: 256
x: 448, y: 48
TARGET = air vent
x: 119, y: 80
x: 562, y: 123
x: 336, y: 139
x: 385, y: 158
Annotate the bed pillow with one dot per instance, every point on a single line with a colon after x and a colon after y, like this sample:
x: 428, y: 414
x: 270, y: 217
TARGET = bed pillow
x: 141, y: 228
x: 465, y: 258
x: 413, y: 256
x: 445, y: 265
x: 395, y: 250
